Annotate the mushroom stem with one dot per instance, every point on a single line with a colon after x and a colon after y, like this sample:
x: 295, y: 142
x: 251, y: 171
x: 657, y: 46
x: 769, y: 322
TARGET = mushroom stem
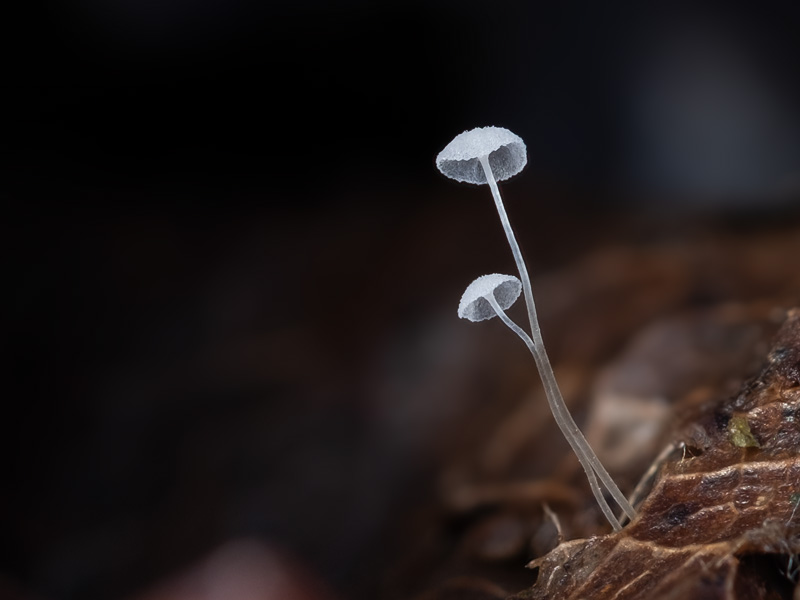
x: 564, y: 420
x: 536, y: 345
x: 515, y: 250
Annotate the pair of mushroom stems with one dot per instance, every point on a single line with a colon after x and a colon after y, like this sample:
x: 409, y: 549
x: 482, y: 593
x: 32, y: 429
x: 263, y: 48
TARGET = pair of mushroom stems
x: 588, y: 459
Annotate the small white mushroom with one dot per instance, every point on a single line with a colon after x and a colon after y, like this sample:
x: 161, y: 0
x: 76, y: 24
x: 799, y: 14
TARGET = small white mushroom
x: 475, y: 304
x: 488, y: 155
x: 462, y: 159
x: 488, y: 296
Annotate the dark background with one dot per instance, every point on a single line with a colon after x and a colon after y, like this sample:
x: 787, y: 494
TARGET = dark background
x: 227, y: 246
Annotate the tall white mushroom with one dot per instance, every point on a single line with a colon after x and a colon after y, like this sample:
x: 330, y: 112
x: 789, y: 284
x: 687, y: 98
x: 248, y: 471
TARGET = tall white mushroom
x: 491, y: 154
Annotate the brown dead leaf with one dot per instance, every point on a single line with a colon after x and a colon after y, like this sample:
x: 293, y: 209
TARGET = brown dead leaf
x: 723, y: 518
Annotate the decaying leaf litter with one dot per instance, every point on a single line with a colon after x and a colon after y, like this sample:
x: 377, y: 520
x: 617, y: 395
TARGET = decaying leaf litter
x: 726, y: 500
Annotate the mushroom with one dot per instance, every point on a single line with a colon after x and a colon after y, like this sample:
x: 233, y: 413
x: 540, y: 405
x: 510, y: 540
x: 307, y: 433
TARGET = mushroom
x: 488, y: 296
x: 487, y: 155
x: 478, y: 299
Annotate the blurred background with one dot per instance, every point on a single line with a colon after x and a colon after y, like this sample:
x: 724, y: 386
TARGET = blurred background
x: 234, y: 364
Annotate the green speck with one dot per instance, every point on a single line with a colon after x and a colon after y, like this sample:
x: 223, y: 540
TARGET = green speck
x: 739, y: 430
x: 795, y: 499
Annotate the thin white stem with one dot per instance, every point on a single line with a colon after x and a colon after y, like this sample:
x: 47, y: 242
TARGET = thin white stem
x: 565, y: 422
x: 512, y: 241
x: 574, y: 436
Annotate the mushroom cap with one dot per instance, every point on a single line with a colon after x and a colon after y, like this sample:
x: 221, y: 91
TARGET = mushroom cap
x: 460, y: 159
x: 474, y: 305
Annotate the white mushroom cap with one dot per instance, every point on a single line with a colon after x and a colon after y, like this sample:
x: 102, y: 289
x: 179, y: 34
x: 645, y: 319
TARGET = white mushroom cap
x: 474, y: 305
x: 460, y: 159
